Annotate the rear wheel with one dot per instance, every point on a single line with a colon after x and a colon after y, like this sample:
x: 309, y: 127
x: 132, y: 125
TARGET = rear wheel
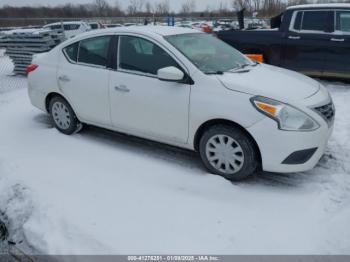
x: 227, y: 151
x: 63, y: 116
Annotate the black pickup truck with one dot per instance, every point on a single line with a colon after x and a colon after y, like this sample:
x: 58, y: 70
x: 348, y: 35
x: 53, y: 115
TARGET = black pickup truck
x: 311, y: 39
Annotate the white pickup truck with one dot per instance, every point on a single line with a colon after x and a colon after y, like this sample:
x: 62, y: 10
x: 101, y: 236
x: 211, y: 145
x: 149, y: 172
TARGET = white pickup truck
x: 70, y: 29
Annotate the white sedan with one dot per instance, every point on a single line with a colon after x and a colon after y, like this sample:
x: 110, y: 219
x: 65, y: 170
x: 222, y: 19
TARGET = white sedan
x: 188, y: 89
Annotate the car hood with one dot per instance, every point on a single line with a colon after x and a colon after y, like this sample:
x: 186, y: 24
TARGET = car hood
x: 271, y: 81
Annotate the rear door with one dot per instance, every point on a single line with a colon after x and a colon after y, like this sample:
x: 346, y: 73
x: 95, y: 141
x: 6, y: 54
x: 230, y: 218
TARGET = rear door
x: 83, y: 78
x: 307, y: 41
x: 338, y: 59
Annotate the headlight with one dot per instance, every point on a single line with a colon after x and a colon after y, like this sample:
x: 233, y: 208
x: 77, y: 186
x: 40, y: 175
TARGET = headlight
x: 288, y: 117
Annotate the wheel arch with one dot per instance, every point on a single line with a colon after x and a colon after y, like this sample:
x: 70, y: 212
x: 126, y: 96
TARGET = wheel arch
x: 210, y: 123
x: 49, y: 98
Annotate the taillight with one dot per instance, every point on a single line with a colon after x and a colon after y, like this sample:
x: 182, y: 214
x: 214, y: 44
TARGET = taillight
x: 31, y: 68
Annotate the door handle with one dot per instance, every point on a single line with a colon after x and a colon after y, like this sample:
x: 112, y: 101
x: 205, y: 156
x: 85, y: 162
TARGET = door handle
x: 64, y: 78
x: 294, y: 37
x: 337, y: 39
x: 122, y: 88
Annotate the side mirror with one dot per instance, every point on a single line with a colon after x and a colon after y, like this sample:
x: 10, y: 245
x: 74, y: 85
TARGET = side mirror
x: 170, y: 73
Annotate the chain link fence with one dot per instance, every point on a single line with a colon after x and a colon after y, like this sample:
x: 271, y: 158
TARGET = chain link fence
x: 8, y: 80
x: 6, y: 22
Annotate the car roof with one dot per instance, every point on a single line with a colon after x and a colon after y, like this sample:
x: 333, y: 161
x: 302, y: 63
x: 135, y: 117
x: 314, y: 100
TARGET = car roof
x: 152, y: 31
x: 323, y: 6
x: 65, y: 23
x: 158, y: 30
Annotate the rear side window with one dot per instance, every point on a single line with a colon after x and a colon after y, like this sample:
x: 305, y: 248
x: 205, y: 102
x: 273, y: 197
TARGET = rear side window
x: 297, y: 22
x: 94, y: 51
x: 71, y: 52
x: 68, y: 27
x: 56, y: 27
x: 94, y: 26
x: 322, y: 21
x: 343, y: 21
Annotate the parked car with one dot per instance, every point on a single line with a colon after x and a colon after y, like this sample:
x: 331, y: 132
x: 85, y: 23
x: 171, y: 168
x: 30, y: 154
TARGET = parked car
x: 196, y: 93
x: 184, y: 25
x: 112, y: 25
x: 312, y: 39
x: 202, y: 26
x: 96, y: 25
x: 253, y: 24
x: 70, y: 29
x: 225, y: 24
x: 129, y: 24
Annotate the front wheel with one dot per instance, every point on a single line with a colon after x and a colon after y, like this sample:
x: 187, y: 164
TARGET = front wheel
x: 229, y: 152
x: 63, y: 116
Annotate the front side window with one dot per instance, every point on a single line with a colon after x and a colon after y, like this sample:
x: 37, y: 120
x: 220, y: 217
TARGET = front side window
x: 208, y: 53
x: 343, y: 21
x: 94, y: 51
x: 141, y: 55
x: 322, y: 21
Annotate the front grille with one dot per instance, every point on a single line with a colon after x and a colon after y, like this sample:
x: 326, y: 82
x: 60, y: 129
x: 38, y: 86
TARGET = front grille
x: 327, y: 112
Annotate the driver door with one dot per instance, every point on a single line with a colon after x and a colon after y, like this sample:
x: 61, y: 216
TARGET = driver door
x: 142, y: 104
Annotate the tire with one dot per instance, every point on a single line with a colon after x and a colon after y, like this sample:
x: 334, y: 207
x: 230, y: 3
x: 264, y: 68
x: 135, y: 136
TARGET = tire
x: 63, y: 116
x: 229, y: 152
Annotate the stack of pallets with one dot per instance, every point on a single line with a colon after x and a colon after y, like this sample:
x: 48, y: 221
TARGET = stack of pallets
x: 22, y: 44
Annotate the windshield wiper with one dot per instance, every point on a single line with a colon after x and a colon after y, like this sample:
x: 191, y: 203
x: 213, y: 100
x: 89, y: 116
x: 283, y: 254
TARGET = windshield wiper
x: 242, y: 68
x: 239, y: 69
x: 215, y: 73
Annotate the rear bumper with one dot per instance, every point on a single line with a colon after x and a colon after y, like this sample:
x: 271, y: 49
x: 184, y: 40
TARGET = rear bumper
x: 277, y: 147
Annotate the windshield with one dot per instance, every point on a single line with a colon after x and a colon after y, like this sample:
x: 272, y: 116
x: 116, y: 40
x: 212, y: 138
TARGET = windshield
x: 208, y: 53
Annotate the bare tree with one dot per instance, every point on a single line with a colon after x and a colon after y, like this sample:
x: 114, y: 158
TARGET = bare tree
x: 149, y: 8
x: 256, y: 4
x: 243, y: 4
x: 162, y: 8
x: 117, y: 9
x: 102, y: 7
x: 188, y: 7
x: 300, y: 2
x: 223, y: 8
x: 135, y: 6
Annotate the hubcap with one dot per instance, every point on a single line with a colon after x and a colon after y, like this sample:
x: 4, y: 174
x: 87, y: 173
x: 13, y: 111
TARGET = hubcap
x: 61, y: 115
x: 225, y: 154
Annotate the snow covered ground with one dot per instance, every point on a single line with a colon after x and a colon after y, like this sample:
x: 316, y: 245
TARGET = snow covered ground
x: 99, y: 192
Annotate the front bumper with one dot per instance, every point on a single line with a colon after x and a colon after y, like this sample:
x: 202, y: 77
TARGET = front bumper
x: 286, y: 151
x: 276, y: 146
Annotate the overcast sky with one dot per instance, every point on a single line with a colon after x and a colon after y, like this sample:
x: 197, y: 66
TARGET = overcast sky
x: 174, y: 4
